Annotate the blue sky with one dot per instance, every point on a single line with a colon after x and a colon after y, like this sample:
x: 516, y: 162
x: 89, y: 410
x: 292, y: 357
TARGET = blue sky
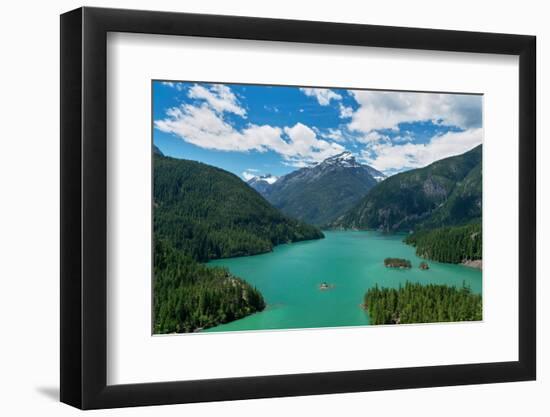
x: 257, y: 129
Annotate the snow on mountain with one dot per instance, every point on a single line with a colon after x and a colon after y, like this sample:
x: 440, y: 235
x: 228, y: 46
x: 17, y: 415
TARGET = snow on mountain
x: 270, y: 179
x: 262, y: 183
x: 320, y: 193
x: 344, y: 159
x: 347, y: 160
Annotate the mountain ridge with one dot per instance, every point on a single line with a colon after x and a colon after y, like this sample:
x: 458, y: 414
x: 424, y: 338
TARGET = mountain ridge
x: 322, y: 192
x: 262, y: 183
x: 446, y: 192
x: 210, y: 213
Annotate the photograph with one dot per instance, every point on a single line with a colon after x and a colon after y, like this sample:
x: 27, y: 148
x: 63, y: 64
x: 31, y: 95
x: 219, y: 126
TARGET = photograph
x: 244, y: 208
x: 297, y: 207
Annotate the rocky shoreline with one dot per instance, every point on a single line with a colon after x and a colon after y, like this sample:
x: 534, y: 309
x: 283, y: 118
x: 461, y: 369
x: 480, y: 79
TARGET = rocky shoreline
x: 476, y: 263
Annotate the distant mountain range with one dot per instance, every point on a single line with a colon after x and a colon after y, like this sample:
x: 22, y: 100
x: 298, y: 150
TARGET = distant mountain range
x: 157, y: 151
x: 319, y: 194
x: 447, y: 192
x: 262, y: 183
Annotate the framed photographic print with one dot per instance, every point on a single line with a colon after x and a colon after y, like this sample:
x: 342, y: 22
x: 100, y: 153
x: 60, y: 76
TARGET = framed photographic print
x: 257, y: 208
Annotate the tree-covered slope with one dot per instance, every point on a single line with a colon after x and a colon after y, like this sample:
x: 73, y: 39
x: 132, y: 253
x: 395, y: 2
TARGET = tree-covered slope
x: 320, y: 194
x: 189, y: 296
x: 463, y: 205
x: 262, y: 183
x: 452, y: 244
x: 447, y: 192
x: 209, y: 213
x: 201, y: 212
x: 417, y: 303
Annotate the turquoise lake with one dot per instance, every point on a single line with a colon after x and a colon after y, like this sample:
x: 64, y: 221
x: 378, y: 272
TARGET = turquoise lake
x: 350, y: 261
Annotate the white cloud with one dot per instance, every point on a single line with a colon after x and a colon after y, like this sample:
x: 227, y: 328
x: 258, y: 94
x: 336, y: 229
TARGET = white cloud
x: 305, y: 147
x: 171, y: 84
x: 248, y: 174
x: 390, y: 158
x: 386, y: 109
x: 323, y: 95
x: 333, y: 134
x: 372, y: 137
x: 271, y: 108
x: 407, y: 136
x: 345, y: 112
x: 219, y: 97
x: 204, y: 127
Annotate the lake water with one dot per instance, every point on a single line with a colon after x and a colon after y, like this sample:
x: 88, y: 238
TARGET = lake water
x: 350, y: 261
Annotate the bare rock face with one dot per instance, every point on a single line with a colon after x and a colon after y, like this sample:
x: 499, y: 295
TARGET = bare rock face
x: 432, y: 188
x: 446, y: 192
x: 476, y: 263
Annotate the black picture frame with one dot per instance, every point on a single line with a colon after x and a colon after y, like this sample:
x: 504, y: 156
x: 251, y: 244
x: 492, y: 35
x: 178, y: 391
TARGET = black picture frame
x: 84, y: 207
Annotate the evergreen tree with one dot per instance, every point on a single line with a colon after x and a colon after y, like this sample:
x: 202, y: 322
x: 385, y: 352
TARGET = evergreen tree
x: 416, y: 303
x: 452, y: 244
x: 189, y: 296
x: 200, y: 213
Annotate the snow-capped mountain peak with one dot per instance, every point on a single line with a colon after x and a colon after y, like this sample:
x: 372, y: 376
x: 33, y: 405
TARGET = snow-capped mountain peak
x: 347, y: 160
x: 334, y: 185
x: 262, y: 183
x: 270, y: 179
x: 344, y: 159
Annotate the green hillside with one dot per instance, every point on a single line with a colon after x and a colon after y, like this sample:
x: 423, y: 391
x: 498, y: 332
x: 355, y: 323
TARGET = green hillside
x: 417, y: 303
x: 464, y: 202
x: 189, y: 296
x: 323, y: 200
x: 210, y: 213
x: 452, y: 244
x: 200, y: 213
x: 322, y: 193
x: 447, y: 192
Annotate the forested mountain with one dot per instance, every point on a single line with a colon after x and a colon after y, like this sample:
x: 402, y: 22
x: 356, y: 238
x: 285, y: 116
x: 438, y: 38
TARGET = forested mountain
x: 417, y: 303
x: 464, y: 202
x: 202, y: 213
x: 210, y: 213
x: 447, y: 192
x: 453, y: 244
x: 321, y: 193
x: 189, y: 296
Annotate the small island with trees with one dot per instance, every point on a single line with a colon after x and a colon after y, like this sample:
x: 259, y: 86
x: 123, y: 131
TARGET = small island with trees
x: 397, y: 263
